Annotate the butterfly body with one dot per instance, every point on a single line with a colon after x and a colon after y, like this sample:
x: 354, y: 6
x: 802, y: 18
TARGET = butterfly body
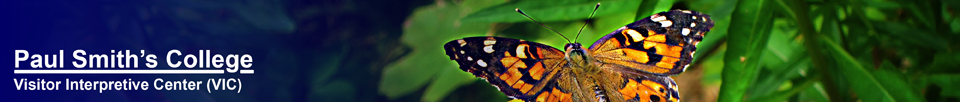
x: 631, y: 64
x: 582, y: 71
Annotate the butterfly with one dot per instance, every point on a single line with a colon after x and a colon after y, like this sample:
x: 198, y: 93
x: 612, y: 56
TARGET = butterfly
x: 632, y: 64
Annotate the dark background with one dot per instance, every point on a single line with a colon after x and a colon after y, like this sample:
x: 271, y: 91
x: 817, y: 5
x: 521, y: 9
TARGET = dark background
x: 390, y: 50
x: 296, y: 44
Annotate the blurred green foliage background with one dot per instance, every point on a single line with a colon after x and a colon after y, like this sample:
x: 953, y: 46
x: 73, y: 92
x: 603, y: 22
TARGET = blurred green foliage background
x: 391, y: 50
x: 759, y: 50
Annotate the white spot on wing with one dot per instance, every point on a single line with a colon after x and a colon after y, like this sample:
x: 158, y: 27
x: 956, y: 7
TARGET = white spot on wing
x: 694, y: 17
x: 469, y: 58
x: 462, y: 52
x: 686, y: 11
x: 635, y: 35
x: 666, y: 23
x: 662, y: 20
x: 488, y: 48
x: 489, y: 42
x: 462, y: 43
x: 521, y: 51
x: 481, y: 63
x: 657, y: 17
x: 685, y: 31
x: 693, y: 24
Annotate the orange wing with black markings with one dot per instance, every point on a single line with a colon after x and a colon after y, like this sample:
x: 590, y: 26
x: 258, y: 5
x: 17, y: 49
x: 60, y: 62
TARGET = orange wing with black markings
x: 645, y: 88
x: 520, y: 69
x: 552, y: 93
x: 662, y: 44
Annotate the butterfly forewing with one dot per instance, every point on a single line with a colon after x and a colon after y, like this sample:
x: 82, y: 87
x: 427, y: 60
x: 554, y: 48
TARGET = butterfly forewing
x: 662, y: 44
x: 518, y: 68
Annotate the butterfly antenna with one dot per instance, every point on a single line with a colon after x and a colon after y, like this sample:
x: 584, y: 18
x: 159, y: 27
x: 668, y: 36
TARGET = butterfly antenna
x: 541, y: 24
x: 585, y: 23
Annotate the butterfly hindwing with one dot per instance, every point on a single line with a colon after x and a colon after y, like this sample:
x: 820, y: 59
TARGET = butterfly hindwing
x: 519, y: 68
x: 649, y: 88
x: 662, y: 44
x: 552, y: 93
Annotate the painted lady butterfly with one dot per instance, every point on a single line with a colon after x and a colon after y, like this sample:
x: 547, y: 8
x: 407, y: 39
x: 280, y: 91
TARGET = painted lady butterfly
x: 632, y: 63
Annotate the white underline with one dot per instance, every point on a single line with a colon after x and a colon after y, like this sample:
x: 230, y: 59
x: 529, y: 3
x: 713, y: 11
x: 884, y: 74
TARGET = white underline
x: 246, y: 71
x: 210, y: 71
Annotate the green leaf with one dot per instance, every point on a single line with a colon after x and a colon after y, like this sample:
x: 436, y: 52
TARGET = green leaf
x: 549, y: 10
x: 922, y: 13
x: 911, y: 36
x: 783, y: 95
x: 753, y: 20
x: 783, y: 60
x: 324, y: 89
x: 835, y: 87
x: 650, y: 7
x: 947, y: 82
x: 326, y: 66
x: 883, y: 4
x: 448, y: 80
x: 863, y: 83
x: 951, y: 4
x: 426, y: 31
x: 895, y: 82
x: 768, y: 82
x: 945, y: 63
x: 814, y: 94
